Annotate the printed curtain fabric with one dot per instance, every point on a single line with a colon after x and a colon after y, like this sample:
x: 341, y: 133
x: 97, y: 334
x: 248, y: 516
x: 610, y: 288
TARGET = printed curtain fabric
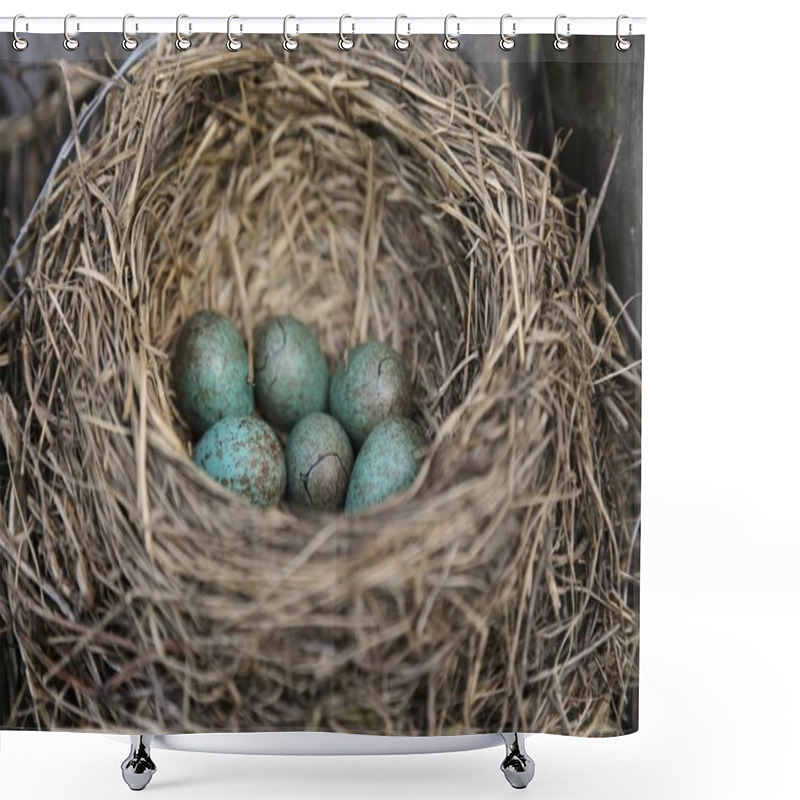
x: 320, y: 385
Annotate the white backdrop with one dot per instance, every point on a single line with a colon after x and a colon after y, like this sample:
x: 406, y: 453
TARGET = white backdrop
x: 721, y: 536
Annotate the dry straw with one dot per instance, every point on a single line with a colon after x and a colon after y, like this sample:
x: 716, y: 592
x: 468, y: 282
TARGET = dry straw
x: 370, y: 194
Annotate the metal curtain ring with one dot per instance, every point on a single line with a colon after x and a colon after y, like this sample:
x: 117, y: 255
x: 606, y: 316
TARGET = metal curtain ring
x: 233, y: 43
x: 345, y: 42
x: 451, y: 42
x: 401, y: 42
x: 561, y: 42
x: 128, y: 42
x: 19, y: 44
x: 289, y: 43
x: 507, y: 42
x: 623, y: 44
x: 181, y: 41
x: 70, y: 42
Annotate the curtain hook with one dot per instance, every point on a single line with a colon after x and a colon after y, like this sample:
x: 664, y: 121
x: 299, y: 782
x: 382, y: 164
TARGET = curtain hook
x: 70, y: 42
x: 507, y: 42
x: 233, y: 44
x: 19, y: 44
x: 561, y: 42
x: 181, y: 41
x: 401, y: 42
x: 128, y: 42
x: 289, y: 43
x: 451, y: 42
x: 623, y: 44
x: 345, y: 42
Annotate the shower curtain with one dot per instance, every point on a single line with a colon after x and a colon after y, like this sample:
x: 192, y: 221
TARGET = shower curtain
x: 320, y: 384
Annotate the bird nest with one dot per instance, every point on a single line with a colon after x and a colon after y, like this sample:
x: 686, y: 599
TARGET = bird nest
x: 371, y: 194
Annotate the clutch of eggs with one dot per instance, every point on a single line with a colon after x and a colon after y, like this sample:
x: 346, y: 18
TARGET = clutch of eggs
x: 350, y: 442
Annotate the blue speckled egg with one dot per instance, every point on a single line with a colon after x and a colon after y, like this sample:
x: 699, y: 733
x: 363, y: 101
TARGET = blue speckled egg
x: 319, y: 460
x: 209, y: 372
x: 387, y: 463
x: 373, y: 387
x: 245, y: 456
x: 291, y: 372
